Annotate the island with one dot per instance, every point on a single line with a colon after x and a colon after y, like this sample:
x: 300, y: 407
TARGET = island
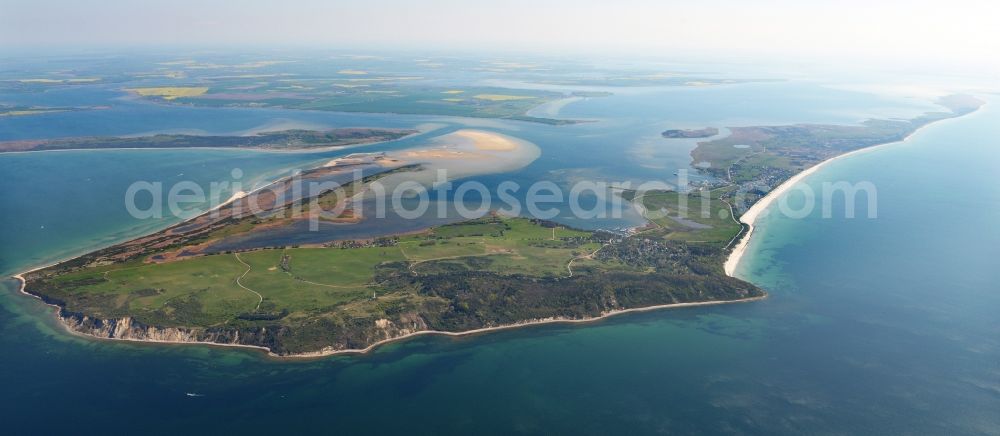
x: 278, y: 140
x: 690, y: 133
x: 362, y: 93
x: 21, y: 111
x: 231, y: 278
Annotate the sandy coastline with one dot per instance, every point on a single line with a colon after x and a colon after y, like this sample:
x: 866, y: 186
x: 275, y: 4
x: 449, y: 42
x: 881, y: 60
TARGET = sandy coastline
x: 751, y: 215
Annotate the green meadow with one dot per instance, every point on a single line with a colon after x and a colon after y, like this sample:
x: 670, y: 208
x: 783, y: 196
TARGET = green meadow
x: 300, y: 282
x: 701, y: 216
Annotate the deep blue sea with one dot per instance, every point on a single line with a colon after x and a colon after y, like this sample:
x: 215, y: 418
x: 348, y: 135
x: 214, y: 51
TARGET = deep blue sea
x: 873, y: 326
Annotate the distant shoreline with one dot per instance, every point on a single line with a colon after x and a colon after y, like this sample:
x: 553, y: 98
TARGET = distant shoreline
x: 751, y: 215
x: 296, y: 150
x: 553, y: 108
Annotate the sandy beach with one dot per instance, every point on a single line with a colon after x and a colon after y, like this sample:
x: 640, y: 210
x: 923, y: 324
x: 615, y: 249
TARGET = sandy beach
x: 750, y: 217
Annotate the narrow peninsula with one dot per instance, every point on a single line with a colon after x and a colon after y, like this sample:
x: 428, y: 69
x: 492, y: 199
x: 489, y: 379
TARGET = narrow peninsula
x: 756, y: 164
x: 690, y: 133
x: 753, y: 159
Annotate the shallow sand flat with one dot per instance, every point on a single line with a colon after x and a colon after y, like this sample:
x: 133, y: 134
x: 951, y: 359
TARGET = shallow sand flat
x: 552, y: 108
x: 488, y: 141
x: 464, y: 153
x: 361, y: 159
x: 459, y: 154
x: 437, y: 153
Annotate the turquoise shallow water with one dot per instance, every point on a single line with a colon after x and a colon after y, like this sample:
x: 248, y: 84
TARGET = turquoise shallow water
x: 873, y: 326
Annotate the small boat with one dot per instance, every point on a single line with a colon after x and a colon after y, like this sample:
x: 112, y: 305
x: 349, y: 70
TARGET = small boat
x: 190, y: 394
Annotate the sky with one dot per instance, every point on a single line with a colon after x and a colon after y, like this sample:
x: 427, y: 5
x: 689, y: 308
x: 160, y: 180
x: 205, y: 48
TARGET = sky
x: 961, y: 32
